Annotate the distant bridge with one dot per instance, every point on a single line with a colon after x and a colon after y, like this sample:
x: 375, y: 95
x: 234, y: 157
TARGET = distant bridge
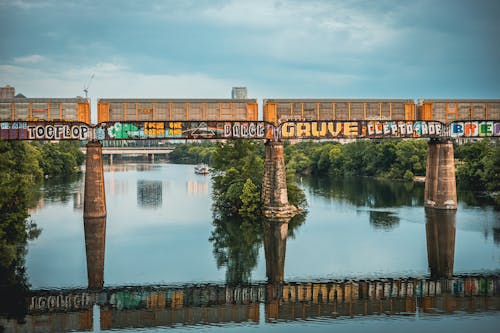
x: 134, y: 151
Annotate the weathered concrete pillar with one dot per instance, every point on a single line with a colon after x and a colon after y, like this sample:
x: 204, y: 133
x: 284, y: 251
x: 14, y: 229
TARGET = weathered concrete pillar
x: 274, y: 191
x: 440, y: 184
x: 95, y: 242
x: 440, y: 229
x: 94, y: 194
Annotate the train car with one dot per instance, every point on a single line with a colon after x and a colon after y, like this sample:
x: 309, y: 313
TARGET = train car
x: 447, y: 110
x: 36, y: 109
x: 176, y: 109
x: 281, y: 110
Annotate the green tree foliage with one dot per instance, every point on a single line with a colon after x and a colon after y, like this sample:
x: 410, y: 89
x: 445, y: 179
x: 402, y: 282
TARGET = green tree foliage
x: 20, y: 173
x: 250, y: 201
x: 238, y: 228
x: 193, y: 153
x: 22, y: 167
x: 235, y: 163
x: 60, y: 159
x: 479, y: 165
x: 391, y: 159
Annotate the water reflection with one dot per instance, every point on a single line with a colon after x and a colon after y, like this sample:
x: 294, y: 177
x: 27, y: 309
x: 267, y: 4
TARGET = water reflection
x: 95, y: 243
x: 237, y: 244
x: 197, y: 187
x: 383, y: 219
x: 369, y: 192
x: 209, y: 304
x: 127, y: 307
x: 149, y: 193
x: 275, y: 235
x: 440, y: 235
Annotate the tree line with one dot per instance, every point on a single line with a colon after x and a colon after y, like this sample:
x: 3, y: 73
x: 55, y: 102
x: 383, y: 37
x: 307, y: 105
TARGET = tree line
x: 23, y: 166
x: 477, y: 164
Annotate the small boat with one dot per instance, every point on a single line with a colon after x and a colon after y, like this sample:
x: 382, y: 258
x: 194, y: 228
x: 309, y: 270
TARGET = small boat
x: 201, y: 169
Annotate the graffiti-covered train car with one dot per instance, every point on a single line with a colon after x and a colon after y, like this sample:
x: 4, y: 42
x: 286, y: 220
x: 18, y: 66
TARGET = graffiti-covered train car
x: 176, y: 109
x: 281, y: 110
x: 50, y: 109
x: 447, y: 110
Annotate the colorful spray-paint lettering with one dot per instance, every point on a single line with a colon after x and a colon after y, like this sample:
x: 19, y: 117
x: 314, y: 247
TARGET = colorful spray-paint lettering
x: 360, y: 129
x: 475, y: 129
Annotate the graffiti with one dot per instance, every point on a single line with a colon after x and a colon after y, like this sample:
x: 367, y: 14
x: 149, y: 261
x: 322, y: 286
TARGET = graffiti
x: 404, y: 129
x: 183, y: 130
x: 361, y: 129
x: 58, y: 132
x: 199, y: 130
x: 253, y: 130
x: 60, y: 302
x: 44, y: 131
x: 145, y: 130
x: 212, y: 294
x: 474, y: 129
x: 13, y: 131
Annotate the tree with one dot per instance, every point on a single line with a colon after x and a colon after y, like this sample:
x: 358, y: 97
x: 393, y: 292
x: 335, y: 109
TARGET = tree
x: 19, y: 174
x: 251, y: 202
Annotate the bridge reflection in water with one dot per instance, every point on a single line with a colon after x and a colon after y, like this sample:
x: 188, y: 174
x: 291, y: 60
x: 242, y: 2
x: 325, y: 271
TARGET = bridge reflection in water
x: 276, y: 300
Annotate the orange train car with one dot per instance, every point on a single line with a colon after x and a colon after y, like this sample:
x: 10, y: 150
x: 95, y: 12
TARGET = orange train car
x: 447, y: 110
x: 36, y: 109
x: 176, y: 109
x: 277, y: 111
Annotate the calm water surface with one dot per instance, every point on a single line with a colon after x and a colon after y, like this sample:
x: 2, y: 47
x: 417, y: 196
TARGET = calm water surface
x: 366, y: 253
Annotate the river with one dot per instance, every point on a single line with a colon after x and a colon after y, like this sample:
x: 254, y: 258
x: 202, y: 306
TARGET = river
x: 367, y: 256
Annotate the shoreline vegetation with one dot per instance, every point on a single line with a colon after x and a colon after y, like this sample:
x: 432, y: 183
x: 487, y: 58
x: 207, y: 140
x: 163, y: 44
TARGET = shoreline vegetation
x: 477, y: 163
x: 23, y: 166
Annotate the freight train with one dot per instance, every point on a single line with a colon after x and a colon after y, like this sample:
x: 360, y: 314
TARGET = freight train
x: 274, y: 111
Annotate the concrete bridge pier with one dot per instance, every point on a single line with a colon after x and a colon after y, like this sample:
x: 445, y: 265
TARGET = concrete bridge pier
x: 94, y: 205
x: 274, y: 190
x: 440, y: 184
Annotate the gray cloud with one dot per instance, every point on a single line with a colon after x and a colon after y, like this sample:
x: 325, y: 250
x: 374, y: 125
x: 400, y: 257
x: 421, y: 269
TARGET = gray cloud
x: 359, y: 48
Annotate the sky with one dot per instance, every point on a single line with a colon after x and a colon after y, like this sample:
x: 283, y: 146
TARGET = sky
x: 276, y: 48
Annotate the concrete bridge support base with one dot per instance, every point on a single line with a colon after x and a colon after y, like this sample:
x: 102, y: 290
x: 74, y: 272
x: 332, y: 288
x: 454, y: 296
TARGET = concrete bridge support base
x: 94, y: 205
x: 274, y: 190
x: 440, y: 185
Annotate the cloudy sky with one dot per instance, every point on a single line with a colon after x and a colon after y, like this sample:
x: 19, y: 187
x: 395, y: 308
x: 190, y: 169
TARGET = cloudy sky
x: 277, y: 48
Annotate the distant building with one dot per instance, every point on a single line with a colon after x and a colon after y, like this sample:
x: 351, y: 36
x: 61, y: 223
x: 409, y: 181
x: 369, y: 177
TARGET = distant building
x: 239, y: 93
x: 7, y: 92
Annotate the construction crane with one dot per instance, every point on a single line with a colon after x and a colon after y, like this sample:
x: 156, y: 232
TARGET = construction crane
x: 86, y: 87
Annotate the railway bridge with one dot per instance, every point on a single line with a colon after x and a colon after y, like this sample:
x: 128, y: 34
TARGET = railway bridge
x: 438, y: 121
